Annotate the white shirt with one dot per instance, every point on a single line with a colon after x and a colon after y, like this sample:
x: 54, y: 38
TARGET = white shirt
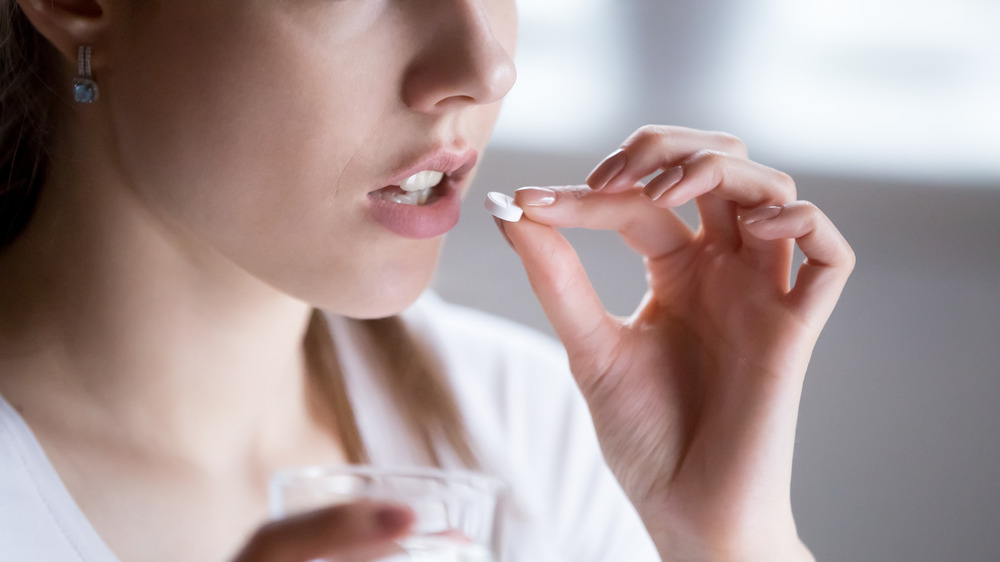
x: 526, y: 419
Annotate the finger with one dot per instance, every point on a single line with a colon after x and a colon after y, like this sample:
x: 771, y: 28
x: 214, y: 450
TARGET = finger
x: 647, y: 229
x: 718, y: 219
x: 566, y: 295
x: 744, y: 183
x: 341, y: 531
x: 657, y: 147
x: 829, y: 258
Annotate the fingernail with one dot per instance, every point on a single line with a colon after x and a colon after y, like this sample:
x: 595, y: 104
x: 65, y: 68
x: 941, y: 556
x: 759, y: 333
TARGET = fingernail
x: 760, y: 214
x: 503, y: 232
x: 390, y: 519
x: 535, y: 196
x: 607, y: 170
x: 663, y: 183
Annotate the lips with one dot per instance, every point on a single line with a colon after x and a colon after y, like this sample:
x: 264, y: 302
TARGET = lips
x: 452, y: 163
x: 442, y: 205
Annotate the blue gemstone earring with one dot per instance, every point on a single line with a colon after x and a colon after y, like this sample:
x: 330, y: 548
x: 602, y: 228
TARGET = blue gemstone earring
x: 84, y: 87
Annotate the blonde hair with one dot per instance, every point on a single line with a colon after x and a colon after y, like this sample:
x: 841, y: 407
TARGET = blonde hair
x: 30, y: 101
x: 415, y: 381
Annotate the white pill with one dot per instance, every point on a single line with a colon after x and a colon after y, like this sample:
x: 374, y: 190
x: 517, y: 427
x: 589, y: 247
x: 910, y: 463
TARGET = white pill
x: 502, y: 207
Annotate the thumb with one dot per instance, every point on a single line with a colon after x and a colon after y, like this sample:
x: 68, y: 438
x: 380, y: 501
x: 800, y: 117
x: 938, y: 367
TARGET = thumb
x: 362, y: 528
x: 565, y: 293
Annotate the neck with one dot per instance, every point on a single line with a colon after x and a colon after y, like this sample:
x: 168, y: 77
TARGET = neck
x: 113, y: 323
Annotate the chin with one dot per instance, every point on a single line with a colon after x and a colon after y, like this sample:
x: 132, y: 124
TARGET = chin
x: 383, y: 304
x: 375, y: 292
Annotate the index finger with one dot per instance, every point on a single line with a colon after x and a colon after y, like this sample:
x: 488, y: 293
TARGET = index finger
x: 652, y: 231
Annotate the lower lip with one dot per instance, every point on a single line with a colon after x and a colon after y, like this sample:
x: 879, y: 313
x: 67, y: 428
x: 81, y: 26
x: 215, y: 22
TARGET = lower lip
x: 418, y: 221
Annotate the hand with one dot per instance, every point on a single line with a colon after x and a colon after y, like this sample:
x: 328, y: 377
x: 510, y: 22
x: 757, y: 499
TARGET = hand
x: 351, y: 532
x: 695, y: 396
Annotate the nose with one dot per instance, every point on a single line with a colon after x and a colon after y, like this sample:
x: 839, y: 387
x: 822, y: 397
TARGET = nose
x: 463, y: 62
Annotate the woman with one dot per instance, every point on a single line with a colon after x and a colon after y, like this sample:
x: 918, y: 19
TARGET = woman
x: 229, y: 166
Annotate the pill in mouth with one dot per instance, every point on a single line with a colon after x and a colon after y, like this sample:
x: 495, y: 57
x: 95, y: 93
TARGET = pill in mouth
x: 502, y: 206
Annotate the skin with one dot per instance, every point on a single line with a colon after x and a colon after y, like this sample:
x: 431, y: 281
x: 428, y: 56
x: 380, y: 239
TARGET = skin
x: 216, y: 193
x: 695, y: 396
x: 154, y: 309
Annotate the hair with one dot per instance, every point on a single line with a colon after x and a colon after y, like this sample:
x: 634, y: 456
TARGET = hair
x: 29, y: 108
x: 415, y: 382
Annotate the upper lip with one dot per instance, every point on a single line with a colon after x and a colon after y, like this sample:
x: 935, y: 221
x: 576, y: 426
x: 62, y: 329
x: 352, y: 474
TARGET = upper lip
x: 455, y: 163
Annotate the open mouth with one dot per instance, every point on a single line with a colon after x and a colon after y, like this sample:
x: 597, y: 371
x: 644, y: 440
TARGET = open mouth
x: 424, y: 199
x: 422, y: 188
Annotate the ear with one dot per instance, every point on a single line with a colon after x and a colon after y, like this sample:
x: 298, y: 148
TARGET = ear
x: 68, y: 24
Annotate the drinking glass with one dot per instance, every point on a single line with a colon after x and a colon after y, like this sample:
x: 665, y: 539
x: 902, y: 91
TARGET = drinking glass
x: 457, y: 512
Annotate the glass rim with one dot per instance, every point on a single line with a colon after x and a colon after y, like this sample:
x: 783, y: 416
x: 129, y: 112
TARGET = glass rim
x: 292, y: 475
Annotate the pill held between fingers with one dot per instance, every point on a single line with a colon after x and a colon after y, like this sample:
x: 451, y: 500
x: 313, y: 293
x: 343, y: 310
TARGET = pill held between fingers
x: 502, y: 206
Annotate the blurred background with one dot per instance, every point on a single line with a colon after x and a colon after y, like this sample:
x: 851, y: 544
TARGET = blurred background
x: 887, y: 113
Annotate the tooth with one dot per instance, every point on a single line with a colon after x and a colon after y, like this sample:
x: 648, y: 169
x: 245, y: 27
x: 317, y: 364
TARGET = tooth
x: 401, y: 198
x: 421, y: 180
x: 408, y: 198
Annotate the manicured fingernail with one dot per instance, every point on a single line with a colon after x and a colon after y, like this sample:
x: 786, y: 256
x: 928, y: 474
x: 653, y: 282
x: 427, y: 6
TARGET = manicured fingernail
x: 503, y: 232
x: 390, y: 519
x: 607, y: 170
x: 663, y: 183
x: 760, y: 214
x: 535, y: 196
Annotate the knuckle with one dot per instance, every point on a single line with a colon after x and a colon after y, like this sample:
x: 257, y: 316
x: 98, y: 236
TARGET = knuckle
x: 786, y: 184
x: 822, y: 226
x: 576, y: 194
x: 814, y: 213
x: 709, y: 163
x: 650, y: 136
x: 732, y: 144
x: 709, y: 157
x: 650, y: 131
x: 812, y: 217
x: 851, y: 258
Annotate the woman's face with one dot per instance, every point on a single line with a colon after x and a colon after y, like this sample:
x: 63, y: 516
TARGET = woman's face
x: 273, y: 131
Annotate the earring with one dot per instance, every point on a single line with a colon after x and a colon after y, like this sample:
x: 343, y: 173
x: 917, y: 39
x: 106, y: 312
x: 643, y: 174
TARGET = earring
x: 84, y: 87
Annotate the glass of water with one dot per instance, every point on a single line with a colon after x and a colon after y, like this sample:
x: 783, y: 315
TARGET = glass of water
x: 457, y: 512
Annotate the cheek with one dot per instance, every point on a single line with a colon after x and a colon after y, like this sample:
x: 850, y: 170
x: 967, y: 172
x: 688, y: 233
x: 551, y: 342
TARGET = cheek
x: 250, y: 116
x: 247, y: 141
x: 505, y: 16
